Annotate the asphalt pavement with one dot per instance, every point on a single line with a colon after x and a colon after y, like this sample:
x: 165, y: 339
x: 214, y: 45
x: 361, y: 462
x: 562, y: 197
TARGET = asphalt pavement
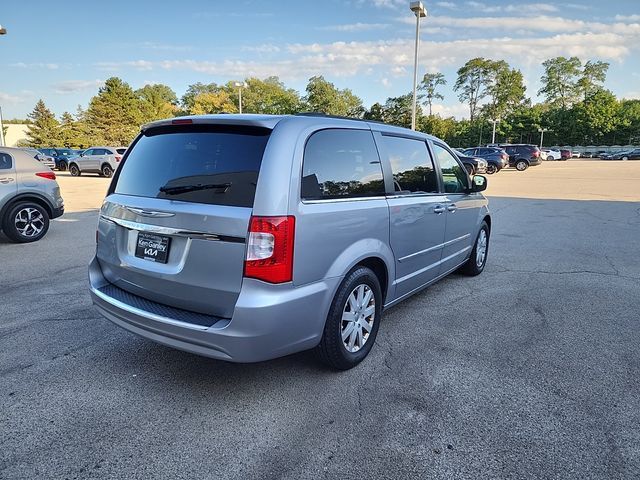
x: 531, y: 370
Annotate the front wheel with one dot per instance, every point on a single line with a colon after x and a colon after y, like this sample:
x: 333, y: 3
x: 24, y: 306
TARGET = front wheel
x: 625, y: 158
x: 521, y: 165
x: 478, y: 259
x: 550, y: 158
x: 491, y: 169
x: 25, y: 222
x: 353, y: 321
x: 74, y: 170
x: 62, y: 166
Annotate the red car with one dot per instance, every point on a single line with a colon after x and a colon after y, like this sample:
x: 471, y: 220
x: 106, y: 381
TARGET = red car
x: 565, y: 154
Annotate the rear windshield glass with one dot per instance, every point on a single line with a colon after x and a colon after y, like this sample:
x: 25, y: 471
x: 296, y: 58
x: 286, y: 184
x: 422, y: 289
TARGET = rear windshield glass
x: 195, y: 163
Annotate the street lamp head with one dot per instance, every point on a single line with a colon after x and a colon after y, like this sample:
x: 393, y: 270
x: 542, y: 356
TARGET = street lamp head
x: 241, y: 84
x: 418, y: 9
x: 3, y: 31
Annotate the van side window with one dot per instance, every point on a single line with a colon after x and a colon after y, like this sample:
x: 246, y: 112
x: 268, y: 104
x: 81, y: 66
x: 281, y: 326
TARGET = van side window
x: 341, y: 163
x: 455, y: 178
x: 411, y: 165
x: 5, y: 161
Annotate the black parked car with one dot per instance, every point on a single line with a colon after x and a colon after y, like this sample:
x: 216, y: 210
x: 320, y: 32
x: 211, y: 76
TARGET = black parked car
x: 522, y: 156
x: 496, y: 158
x: 628, y: 155
x: 473, y: 165
x: 60, y: 156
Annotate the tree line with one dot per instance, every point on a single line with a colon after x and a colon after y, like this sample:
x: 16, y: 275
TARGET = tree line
x: 577, y: 108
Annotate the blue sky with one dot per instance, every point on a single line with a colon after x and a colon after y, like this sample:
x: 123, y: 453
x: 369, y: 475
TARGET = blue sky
x: 62, y: 51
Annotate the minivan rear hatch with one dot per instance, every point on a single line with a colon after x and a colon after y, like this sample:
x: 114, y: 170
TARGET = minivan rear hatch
x: 174, y: 224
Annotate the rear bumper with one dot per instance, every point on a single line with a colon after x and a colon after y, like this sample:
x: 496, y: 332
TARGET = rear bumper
x: 268, y: 321
x: 57, y: 212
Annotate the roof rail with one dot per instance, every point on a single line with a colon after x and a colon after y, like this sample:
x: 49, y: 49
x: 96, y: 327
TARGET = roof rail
x: 341, y: 117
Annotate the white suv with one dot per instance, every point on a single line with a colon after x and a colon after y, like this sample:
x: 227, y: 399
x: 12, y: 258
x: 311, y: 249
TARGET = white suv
x: 101, y: 160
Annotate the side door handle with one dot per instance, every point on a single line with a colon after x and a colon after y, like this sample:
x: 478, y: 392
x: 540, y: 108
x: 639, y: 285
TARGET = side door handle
x: 438, y: 209
x: 6, y: 180
x: 452, y: 207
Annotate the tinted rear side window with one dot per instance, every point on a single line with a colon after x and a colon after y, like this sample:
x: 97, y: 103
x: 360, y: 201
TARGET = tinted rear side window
x: 341, y: 164
x: 411, y: 165
x: 5, y: 161
x: 195, y: 163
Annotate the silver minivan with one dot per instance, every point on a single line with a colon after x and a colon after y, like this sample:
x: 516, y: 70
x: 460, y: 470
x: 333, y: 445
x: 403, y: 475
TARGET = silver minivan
x: 250, y: 237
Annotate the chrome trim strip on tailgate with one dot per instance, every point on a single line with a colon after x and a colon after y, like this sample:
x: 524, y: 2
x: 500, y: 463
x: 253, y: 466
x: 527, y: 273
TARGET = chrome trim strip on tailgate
x: 143, y: 227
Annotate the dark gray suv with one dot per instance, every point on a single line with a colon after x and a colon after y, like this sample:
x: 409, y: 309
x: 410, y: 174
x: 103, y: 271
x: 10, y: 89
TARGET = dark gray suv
x: 249, y: 237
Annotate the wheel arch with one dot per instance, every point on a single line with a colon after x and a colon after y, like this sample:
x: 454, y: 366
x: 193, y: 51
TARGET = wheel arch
x: 28, y: 197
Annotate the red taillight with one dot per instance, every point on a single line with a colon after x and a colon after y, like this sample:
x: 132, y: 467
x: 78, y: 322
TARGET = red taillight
x: 47, y: 175
x: 536, y: 153
x: 270, y: 249
x: 182, y: 121
x: 505, y: 156
x: 118, y: 159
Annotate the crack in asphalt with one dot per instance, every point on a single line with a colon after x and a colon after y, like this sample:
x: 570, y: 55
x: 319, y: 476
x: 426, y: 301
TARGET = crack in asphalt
x: 503, y: 269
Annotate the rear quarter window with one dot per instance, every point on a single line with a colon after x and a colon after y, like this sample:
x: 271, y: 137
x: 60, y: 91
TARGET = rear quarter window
x: 341, y: 163
x: 210, y: 164
x: 5, y: 161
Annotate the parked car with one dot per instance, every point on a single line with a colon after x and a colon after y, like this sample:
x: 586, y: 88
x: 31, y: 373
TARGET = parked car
x: 29, y: 196
x: 586, y: 155
x: 565, y: 154
x: 522, y: 156
x: 121, y: 150
x: 627, y: 155
x: 61, y: 156
x: 249, y: 237
x: 41, y: 157
x: 473, y: 165
x: 496, y: 157
x: 575, y: 154
x: 101, y: 160
x: 600, y: 153
x: 552, y: 154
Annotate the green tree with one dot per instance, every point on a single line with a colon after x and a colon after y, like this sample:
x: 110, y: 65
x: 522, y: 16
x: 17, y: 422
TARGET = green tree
x: 114, y: 115
x: 188, y: 99
x: 213, y: 102
x: 560, y: 81
x: 429, y: 85
x: 505, y: 89
x: 323, y: 96
x: 44, y: 129
x: 397, y: 110
x: 472, y: 83
x: 268, y: 96
x: 594, y: 74
x: 629, y: 122
x: 376, y: 113
x: 596, y: 116
x: 157, y: 102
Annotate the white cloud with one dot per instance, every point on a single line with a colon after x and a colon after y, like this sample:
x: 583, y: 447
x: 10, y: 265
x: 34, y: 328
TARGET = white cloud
x: 450, y: 5
x: 166, y: 47
x: 520, y: 8
x: 264, y: 48
x: 628, y: 18
x: 457, y: 110
x: 71, y: 86
x: 141, y: 65
x: 9, y: 98
x: 385, y: 3
x: 632, y: 95
x: 355, y: 27
x: 48, y: 66
x: 385, y: 82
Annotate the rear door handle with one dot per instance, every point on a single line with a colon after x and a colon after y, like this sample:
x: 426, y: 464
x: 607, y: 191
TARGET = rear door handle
x: 6, y: 180
x: 438, y: 209
x: 452, y: 207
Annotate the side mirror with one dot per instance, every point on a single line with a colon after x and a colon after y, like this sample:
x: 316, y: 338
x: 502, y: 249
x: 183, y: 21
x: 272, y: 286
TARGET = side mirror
x: 478, y: 183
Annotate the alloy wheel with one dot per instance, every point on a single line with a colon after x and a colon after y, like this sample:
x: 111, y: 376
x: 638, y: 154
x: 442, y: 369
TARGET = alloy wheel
x: 29, y: 222
x: 481, y: 248
x: 358, y: 316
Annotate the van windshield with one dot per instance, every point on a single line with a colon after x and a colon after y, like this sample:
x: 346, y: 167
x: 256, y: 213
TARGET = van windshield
x: 210, y: 164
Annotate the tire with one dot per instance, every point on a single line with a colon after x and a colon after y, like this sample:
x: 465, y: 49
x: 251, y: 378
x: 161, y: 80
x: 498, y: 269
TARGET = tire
x: 74, y: 170
x: 332, y: 350
x: 106, y: 170
x: 550, y: 158
x: 62, y: 166
x: 25, y: 222
x: 476, y: 263
x: 491, y: 169
x: 522, y: 165
x: 625, y: 158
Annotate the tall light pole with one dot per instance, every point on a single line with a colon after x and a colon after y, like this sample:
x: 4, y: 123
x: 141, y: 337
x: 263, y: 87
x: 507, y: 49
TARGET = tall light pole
x: 493, y: 135
x: 420, y: 12
x: 240, y: 86
x: 3, y: 31
x: 542, y: 130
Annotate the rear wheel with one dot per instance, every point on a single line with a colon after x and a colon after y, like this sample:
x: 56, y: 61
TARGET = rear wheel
x: 522, y: 165
x: 353, y: 321
x: 106, y: 171
x: 625, y: 158
x: 478, y: 259
x: 74, y: 170
x: 62, y: 166
x: 25, y: 222
x: 550, y: 157
x: 491, y: 169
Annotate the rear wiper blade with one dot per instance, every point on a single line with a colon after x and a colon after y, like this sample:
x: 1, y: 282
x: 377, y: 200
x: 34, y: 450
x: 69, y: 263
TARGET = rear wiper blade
x: 192, y: 188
